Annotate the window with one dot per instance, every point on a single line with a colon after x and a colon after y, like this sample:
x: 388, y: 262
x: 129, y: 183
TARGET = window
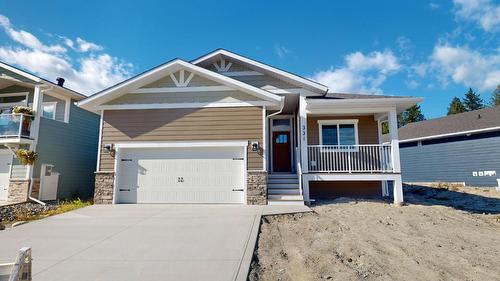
x: 281, y: 122
x: 49, y: 110
x: 338, y: 132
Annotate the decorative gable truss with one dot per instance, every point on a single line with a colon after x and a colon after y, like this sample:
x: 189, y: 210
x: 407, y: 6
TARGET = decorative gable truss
x: 182, y: 81
x: 179, y: 84
x: 221, y: 66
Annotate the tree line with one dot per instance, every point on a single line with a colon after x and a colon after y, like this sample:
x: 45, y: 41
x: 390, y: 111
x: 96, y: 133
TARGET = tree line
x: 471, y: 101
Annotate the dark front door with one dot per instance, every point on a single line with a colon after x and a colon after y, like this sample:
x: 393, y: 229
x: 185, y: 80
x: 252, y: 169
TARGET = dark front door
x: 281, y: 152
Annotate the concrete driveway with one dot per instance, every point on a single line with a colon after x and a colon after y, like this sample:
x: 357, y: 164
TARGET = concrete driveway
x: 141, y: 242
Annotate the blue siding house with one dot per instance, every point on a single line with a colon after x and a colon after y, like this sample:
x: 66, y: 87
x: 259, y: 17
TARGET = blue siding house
x: 461, y: 148
x: 63, y: 135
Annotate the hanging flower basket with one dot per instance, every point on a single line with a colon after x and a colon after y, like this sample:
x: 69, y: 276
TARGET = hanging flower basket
x: 26, y: 157
x: 23, y: 110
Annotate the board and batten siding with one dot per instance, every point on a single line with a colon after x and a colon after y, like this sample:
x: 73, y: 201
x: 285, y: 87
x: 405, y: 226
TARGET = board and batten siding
x: 367, y: 128
x: 195, y: 124
x: 452, y: 160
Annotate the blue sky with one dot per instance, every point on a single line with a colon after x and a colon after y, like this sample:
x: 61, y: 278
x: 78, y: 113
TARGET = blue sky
x: 432, y: 49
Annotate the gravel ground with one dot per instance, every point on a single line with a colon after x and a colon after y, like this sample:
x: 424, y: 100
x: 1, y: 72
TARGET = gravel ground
x: 441, y: 234
x: 14, y: 212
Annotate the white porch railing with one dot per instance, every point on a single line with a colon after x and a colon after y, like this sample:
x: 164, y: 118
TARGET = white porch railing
x: 15, y: 125
x: 368, y: 158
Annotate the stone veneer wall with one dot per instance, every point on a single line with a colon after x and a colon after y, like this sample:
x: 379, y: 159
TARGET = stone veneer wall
x: 103, y: 193
x: 18, y: 190
x: 257, y: 188
x: 35, y: 190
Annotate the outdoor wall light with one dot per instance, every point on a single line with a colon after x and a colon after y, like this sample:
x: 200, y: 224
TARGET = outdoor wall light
x: 108, y: 147
x: 255, y: 145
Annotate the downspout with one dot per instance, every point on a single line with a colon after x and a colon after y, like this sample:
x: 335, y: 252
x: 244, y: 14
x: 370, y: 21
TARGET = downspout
x: 34, y: 149
x: 282, y: 105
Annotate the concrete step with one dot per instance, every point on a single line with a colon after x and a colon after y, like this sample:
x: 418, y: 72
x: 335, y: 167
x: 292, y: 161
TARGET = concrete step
x: 283, y: 185
x: 283, y: 191
x: 282, y: 176
x: 283, y: 180
x: 285, y: 202
x: 285, y: 197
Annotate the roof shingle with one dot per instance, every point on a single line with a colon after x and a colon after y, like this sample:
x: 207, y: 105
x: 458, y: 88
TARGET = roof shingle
x: 462, y: 122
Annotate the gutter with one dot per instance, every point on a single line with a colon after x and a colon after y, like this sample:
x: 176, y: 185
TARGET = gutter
x: 282, y: 105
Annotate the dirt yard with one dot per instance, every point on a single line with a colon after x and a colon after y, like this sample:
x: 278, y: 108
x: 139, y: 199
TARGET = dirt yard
x: 441, y: 234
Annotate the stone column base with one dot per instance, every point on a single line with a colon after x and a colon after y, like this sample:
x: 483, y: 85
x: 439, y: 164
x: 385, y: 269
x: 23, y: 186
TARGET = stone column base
x: 104, y: 182
x: 18, y: 190
x: 257, y: 188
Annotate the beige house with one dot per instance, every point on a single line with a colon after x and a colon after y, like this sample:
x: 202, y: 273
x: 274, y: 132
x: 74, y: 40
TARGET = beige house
x: 228, y: 129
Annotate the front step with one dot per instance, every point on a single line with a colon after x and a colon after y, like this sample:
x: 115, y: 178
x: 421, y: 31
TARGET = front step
x: 283, y: 189
x: 285, y: 200
x: 283, y: 185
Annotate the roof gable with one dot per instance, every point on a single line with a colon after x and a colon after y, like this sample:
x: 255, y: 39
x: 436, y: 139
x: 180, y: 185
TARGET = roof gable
x: 258, y: 67
x: 174, y: 76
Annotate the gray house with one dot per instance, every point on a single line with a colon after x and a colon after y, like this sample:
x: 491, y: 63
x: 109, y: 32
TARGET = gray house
x: 459, y: 148
x: 63, y: 135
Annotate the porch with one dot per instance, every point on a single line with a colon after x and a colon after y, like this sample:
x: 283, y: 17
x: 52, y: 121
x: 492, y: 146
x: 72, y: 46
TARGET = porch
x: 341, y: 142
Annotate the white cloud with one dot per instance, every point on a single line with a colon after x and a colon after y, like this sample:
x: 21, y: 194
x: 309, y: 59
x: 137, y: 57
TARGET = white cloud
x: 465, y: 66
x: 434, y: 6
x: 85, y: 46
x: 281, y: 51
x: 86, y: 70
x: 361, y: 73
x: 27, y: 39
x: 483, y: 12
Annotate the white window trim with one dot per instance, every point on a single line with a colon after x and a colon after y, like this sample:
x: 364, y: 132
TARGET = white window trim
x: 12, y: 104
x: 339, y: 122
x: 54, y: 103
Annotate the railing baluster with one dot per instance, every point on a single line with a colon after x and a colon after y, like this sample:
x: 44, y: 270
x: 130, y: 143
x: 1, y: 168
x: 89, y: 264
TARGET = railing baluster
x: 371, y: 158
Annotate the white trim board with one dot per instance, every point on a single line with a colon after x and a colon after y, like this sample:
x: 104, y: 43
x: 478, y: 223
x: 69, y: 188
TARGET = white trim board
x: 120, y: 145
x: 181, y: 89
x: 182, y: 105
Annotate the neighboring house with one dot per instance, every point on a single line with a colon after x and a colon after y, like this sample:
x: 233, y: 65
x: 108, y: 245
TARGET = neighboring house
x: 463, y: 147
x: 63, y: 135
x: 228, y: 129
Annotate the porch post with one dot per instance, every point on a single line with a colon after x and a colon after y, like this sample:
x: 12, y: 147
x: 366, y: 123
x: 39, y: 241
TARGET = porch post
x: 303, y: 134
x: 393, y: 131
x: 35, y: 124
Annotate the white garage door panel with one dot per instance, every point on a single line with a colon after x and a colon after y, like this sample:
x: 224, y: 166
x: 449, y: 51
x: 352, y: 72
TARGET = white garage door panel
x: 181, y: 175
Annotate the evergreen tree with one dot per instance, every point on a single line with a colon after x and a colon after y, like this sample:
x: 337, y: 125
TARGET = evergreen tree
x: 472, y: 101
x: 495, y: 97
x: 456, y: 106
x: 412, y: 114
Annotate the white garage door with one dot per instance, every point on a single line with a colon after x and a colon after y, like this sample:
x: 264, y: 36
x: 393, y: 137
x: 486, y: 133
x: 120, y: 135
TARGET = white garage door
x: 181, y: 175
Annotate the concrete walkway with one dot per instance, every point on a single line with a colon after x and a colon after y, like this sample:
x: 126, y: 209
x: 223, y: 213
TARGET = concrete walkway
x: 142, y: 242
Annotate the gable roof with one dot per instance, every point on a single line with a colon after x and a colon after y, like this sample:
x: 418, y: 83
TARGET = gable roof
x: 482, y: 120
x: 33, y: 79
x: 164, y: 69
x: 265, y: 68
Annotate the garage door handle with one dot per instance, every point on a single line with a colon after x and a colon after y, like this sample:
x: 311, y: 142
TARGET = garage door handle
x: 237, y: 189
x: 122, y: 189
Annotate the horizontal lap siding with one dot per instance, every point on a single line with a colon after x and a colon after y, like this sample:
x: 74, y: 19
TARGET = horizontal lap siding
x: 367, y: 128
x: 452, y: 161
x: 205, y: 124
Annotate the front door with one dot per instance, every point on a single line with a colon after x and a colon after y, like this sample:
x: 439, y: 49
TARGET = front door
x: 281, y: 152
